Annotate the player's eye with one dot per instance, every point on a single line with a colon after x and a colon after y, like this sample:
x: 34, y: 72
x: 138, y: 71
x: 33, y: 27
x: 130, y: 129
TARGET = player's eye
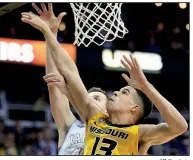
x: 124, y: 92
x: 96, y: 98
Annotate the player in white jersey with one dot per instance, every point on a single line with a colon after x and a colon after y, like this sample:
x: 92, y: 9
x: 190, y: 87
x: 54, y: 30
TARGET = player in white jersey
x: 70, y: 130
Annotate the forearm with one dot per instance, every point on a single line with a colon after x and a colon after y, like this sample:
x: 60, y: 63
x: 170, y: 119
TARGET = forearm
x: 50, y: 66
x: 60, y: 109
x: 81, y: 115
x: 67, y: 68
x: 62, y: 60
x: 172, y: 117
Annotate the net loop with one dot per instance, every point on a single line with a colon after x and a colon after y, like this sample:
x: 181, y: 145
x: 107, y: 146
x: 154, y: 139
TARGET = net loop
x: 97, y: 23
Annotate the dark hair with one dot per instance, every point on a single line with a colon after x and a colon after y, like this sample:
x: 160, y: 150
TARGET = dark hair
x: 95, y: 89
x: 147, y: 104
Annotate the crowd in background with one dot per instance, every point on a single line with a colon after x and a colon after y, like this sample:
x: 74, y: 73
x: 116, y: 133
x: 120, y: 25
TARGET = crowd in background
x: 18, y: 140
x: 34, y: 141
x: 27, y: 141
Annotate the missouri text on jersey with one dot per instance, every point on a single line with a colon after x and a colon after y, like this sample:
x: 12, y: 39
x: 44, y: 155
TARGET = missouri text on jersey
x: 112, y: 132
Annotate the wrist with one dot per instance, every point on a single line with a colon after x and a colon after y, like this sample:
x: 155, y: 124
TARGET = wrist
x: 45, y: 30
x: 145, y: 89
x: 55, y: 34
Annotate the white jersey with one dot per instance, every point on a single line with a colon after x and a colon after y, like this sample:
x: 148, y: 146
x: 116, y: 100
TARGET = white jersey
x: 74, y: 140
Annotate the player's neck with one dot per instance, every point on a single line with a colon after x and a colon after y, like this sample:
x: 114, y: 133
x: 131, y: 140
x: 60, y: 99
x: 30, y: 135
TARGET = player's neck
x: 121, y: 119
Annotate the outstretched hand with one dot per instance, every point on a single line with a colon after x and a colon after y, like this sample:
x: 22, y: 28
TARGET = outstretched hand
x: 47, y: 15
x: 137, y: 78
x: 33, y: 20
x: 56, y: 80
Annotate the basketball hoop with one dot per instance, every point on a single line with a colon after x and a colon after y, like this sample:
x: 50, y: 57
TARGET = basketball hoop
x: 97, y: 23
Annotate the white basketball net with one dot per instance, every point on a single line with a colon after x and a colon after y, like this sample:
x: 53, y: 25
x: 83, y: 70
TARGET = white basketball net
x: 97, y: 22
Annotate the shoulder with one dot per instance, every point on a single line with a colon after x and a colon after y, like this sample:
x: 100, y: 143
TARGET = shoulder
x: 98, y: 116
x: 77, y: 124
x: 143, y: 131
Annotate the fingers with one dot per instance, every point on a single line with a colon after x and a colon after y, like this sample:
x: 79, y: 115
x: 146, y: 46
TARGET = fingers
x: 52, y: 83
x: 50, y: 7
x: 52, y: 77
x: 26, y: 17
x: 127, y: 79
x: 44, y: 7
x: 38, y: 10
x: 127, y: 67
x: 136, y: 63
x: 26, y: 20
x: 133, y: 61
x: 26, y: 14
x: 61, y: 15
x: 129, y: 62
x: 29, y: 14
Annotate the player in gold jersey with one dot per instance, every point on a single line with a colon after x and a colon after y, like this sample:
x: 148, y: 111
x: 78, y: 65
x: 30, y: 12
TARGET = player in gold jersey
x: 115, y: 133
x: 105, y: 138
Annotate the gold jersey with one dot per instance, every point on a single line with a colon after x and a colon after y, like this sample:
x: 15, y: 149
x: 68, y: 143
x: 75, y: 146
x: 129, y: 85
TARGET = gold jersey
x: 104, y: 138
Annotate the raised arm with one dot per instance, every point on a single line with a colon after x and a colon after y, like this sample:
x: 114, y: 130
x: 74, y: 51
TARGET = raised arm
x: 65, y: 66
x: 69, y: 71
x: 59, y: 103
x: 174, y: 125
x: 57, y: 81
x: 58, y: 93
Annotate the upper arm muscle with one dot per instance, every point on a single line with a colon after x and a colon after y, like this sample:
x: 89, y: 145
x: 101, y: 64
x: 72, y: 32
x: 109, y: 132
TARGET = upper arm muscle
x: 79, y: 94
x: 69, y: 96
x: 156, y: 134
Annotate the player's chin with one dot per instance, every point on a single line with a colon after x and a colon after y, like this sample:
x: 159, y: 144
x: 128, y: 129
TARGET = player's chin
x: 110, y: 107
x: 109, y: 104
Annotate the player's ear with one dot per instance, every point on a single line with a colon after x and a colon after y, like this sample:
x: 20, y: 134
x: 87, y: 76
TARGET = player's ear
x: 135, y: 108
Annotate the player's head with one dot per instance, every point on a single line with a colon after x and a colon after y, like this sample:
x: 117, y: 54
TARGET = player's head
x: 130, y: 101
x: 100, y: 96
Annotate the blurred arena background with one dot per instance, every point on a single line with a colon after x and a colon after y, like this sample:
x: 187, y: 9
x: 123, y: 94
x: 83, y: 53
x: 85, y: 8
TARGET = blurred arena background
x: 158, y: 36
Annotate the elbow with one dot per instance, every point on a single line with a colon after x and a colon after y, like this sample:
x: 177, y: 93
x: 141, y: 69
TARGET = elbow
x: 179, y: 128
x: 182, y: 128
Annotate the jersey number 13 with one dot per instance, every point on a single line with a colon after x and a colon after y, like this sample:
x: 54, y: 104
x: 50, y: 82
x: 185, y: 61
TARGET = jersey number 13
x: 107, y: 150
